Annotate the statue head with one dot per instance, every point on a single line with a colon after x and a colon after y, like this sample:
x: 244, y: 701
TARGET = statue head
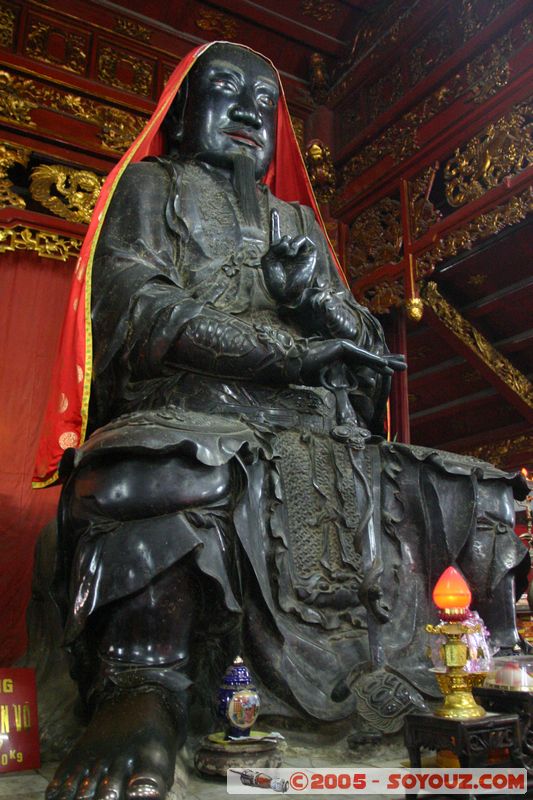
x: 226, y: 108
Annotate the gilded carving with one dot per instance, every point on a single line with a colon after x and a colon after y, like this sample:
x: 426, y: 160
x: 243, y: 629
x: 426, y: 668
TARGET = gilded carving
x: 475, y: 16
x: 15, y: 98
x: 130, y: 27
x: 217, y: 22
x: 487, y: 224
x: 321, y: 170
x: 69, y: 193
x: 384, y: 93
x: 45, y: 244
x: 415, y: 309
x: 7, y: 26
x: 319, y: 78
x: 422, y: 211
x: 321, y: 10
x: 298, y: 126
x: 9, y: 156
x: 74, y: 53
x: 475, y: 341
x: 504, y: 148
x: 490, y: 72
x: 400, y: 140
x: 381, y: 297
x: 499, y: 453
x: 375, y: 238
x: 18, y: 97
x: 142, y: 72
x: 430, y: 51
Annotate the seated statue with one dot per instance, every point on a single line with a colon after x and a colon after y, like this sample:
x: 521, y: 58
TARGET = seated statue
x: 236, y: 494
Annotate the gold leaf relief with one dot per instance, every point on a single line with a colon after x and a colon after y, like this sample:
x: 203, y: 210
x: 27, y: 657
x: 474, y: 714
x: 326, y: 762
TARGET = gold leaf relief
x: 69, y: 193
x: 217, y: 22
x: 9, y: 156
x: 74, y: 52
x: 7, y: 26
x: 109, y: 61
x: 375, y: 238
x: 18, y: 97
x: 45, y: 244
x: 470, y: 336
x: 504, y: 148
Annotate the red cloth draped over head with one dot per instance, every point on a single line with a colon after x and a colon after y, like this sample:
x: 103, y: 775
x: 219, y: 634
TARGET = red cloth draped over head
x: 65, y: 421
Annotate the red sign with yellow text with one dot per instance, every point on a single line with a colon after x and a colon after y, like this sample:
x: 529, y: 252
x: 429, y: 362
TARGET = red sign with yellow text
x: 19, y: 729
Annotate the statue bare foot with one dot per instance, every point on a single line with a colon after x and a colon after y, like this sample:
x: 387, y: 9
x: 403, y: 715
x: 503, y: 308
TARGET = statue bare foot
x: 127, y: 753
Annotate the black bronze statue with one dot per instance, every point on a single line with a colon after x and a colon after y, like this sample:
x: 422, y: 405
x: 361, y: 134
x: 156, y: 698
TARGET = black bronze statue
x: 236, y: 494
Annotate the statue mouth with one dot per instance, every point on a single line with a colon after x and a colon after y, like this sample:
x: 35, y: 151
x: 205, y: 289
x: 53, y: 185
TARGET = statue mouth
x: 245, y: 137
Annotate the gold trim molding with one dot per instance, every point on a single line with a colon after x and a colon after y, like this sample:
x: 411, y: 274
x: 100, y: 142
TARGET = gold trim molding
x: 499, y: 453
x: 19, y: 96
x: 515, y: 380
x: 44, y: 243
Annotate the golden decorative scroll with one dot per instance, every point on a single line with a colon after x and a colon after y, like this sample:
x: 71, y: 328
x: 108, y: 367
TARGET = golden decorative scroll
x: 218, y: 22
x: 504, y: 148
x: 482, y: 227
x: 422, y: 211
x: 321, y: 170
x: 375, y: 238
x: 130, y: 27
x: 75, y: 54
x: 490, y: 71
x: 7, y: 26
x: 9, y: 156
x: 381, y: 297
x: 499, y: 453
x: 142, y: 71
x: 400, y: 140
x: 45, y: 244
x: 68, y: 193
x: 321, y: 10
x: 18, y: 96
x: 515, y: 380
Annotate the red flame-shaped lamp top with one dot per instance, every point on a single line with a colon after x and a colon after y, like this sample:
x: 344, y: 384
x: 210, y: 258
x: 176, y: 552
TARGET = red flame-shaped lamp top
x: 452, y: 595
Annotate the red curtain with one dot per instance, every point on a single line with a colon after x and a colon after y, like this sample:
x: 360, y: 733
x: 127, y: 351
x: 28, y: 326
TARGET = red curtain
x: 33, y: 294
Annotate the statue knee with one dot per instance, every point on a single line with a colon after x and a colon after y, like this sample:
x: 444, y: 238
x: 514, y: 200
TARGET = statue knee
x: 147, y: 486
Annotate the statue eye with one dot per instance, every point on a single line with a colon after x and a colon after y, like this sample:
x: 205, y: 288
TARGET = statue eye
x: 266, y: 100
x: 228, y: 84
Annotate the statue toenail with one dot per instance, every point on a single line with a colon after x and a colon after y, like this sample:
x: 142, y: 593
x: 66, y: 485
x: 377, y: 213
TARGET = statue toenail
x: 144, y: 789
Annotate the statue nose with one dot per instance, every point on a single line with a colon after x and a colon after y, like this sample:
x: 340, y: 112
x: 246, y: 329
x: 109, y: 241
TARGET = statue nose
x: 247, y: 115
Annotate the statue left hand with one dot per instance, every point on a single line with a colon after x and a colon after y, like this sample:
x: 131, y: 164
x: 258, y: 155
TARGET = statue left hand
x: 289, y: 265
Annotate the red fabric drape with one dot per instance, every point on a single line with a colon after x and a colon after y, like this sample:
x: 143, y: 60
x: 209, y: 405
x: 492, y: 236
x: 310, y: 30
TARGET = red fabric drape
x: 33, y: 295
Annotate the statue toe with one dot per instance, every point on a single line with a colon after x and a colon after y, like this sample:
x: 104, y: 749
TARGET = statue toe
x: 146, y: 788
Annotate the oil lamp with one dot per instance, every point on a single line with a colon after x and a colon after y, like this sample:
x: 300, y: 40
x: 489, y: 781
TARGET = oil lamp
x: 452, y: 597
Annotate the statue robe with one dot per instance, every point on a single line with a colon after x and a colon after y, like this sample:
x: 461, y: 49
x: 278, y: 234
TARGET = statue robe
x: 322, y: 510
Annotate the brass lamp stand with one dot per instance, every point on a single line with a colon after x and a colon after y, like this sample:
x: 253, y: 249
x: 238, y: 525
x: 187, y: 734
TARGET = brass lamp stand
x: 455, y: 684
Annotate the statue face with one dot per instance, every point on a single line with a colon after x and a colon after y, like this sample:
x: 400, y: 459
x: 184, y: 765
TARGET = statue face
x: 231, y: 108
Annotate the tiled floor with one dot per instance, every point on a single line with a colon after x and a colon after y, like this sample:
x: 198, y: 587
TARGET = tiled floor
x: 31, y: 785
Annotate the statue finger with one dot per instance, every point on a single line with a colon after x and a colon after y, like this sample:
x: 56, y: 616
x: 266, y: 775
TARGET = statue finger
x: 275, y: 228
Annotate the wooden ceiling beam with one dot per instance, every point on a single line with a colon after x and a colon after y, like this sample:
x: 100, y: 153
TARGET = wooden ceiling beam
x: 468, y: 342
x: 298, y: 31
x: 492, y: 302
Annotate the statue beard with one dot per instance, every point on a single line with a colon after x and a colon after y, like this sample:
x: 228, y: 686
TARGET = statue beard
x: 245, y: 187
